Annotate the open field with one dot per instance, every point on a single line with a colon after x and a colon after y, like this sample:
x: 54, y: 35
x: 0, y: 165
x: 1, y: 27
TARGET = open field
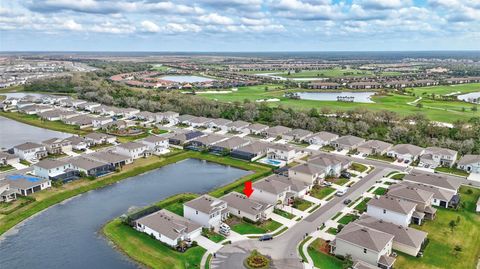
x: 437, y: 110
x: 440, y: 251
x: 446, y: 89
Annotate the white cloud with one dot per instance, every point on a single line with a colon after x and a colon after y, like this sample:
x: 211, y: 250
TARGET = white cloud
x: 149, y: 26
x: 72, y: 25
x: 215, y: 18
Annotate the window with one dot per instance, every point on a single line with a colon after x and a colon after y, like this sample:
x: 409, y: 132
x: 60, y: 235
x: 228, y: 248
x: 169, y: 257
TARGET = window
x: 196, y: 212
x: 365, y: 250
x: 384, y: 211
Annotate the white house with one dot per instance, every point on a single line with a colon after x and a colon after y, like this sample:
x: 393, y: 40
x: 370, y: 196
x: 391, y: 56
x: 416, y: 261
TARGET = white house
x: 206, y: 211
x: 219, y: 124
x: 321, y: 138
x: 270, y: 191
x: 99, y: 138
x: 238, y: 126
x: 241, y: 206
x: 156, y: 144
x: 391, y: 209
x: 167, y: 117
x: 405, y: 152
x: 470, y: 163
x: 307, y: 172
x: 30, y: 151
x: 50, y: 168
x: 100, y: 121
x: 132, y: 149
x: 168, y: 227
x: 435, y: 156
x: 281, y: 152
x: 348, y: 142
x: 299, y: 135
x: 26, y: 185
x: 257, y: 128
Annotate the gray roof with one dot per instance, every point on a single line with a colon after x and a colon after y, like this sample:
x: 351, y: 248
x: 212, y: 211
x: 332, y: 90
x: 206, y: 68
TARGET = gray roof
x: 434, y: 180
x: 206, y: 204
x: 50, y: 164
x: 407, y: 149
x: 393, y: 204
x: 298, y: 133
x: 155, y: 139
x: 97, y: 136
x: 81, y: 119
x: 28, y: 146
x: 242, y: 203
x: 221, y: 121
x: 324, y: 160
x: 209, y: 139
x: 7, y: 156
x: 257, y: 127
x: 75, y: 140
x: 238, y: 124
x: 199, y: 120
x: 131, y: 145
x: 168, y: 224
x: 410, y: 193
x: 376, y: 144
x: 440, y: 151
x: 24, y: 181
x: 232, y: 142
x: 278, y: 130
x: 363, y: 265
x: 295, y: 185
x: 86, y: 163
x: 349, y: 140
x: 271, y: 186
x: 255, y: 147
x: 284, y: 147
x: 438, y: 193
x: 108, y: 157
x: 185, y: 117
x: 404, y: 235
x: 325, y: 136
x: 469, y: 159
x: 364, y: 237
x: 309, y: 169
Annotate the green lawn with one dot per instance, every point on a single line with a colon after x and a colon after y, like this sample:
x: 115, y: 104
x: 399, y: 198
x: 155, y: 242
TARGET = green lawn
x: 380, y: 191
x: 347, y: 219
x: 454, y: 171
x: 300, y: 248
x: 175, y: 203
x: 446, y: 89
x: 25, y: 162
x: 215, y: 237
x: 267, y: 226
x: 148, y: 251
x: 283, y: 213
x: 321, y: 192
x: 440, y: 252
x: 433, y: 109
x: 301, y: 204
x: 398, y: 176
x: 358, y: 167
x: 323, y: 260
x: 362, y: 206
x: 381, y: 158
x: 7, y: 167
x: 340, y: 181
x: 332, y: 230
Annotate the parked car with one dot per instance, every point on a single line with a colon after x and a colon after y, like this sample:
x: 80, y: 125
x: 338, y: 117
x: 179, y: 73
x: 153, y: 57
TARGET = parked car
x: 347, y: 201
x: 346, y: 175
x: 224, y: 229
x: 326, y: 183
x: 266, y: 237
x: 340, y: 193
x: 406, y: 161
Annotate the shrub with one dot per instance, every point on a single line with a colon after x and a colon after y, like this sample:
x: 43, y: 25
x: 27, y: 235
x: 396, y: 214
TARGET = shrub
x: 257, y: 261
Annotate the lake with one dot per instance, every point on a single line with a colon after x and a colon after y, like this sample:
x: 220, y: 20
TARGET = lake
x: 14, y: 133
x: 473, y: 97
x: 359, y: 97
x: 189, y: 79
x: 67, y: 234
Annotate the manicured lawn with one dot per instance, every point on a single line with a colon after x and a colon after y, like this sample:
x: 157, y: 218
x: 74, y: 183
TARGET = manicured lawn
x: 301, y: 204
x: 358, y: 167
x: 381, y: 158
x: 440, y: 251
x: 300, y: 247
x: 284, y: 214
x: 391, y: 173
x: 7, y: 167
x: 159, y: 131
x: 445, y: 89
x: 321, y: 192
x: 215, y: 237
x: 347, y: 219
x: 362, y: 206
x: 327, y: 148
x: 341, y: 181
x: 380, y: 191
x: 249, y: 228
x: 100, y: 146
x: 452, y: 170
x: 148, y: 251
x: 332, y: 230
x: 25, y: 162
x: 398, y: 176
x: 321, y: 259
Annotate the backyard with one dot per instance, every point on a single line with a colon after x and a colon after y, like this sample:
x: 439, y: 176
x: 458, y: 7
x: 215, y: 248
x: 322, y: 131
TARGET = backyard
x: 321, y: 192
x: 318, y: 250
x: 243, y: 227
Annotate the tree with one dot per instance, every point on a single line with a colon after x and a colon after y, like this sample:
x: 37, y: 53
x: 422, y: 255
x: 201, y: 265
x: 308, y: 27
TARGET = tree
x: 452, y: 224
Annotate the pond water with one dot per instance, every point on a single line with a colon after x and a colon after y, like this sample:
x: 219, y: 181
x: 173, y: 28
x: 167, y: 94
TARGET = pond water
x: 473, y: 97
x: 188, y: 79
x: 67, y: 235
x: 21, y: 94
x: 14, y: 133
x: 358, y: 97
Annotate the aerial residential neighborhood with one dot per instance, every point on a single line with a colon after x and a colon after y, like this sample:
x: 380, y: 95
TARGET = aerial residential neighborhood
x: 254, y: 134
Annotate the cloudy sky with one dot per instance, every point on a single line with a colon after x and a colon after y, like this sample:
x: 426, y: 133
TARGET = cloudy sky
x: 239, y: 25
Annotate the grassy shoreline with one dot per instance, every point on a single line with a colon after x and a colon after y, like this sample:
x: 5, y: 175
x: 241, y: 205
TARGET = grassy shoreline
x: 10, y: 220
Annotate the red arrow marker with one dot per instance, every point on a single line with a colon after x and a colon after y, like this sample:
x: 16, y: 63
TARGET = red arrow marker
x: 248, y: 188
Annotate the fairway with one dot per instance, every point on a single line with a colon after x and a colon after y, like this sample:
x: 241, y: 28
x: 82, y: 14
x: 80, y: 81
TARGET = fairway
x: 436, y: 110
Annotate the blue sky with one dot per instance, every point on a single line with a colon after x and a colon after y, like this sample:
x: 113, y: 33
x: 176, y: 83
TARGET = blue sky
x: 239, y: 25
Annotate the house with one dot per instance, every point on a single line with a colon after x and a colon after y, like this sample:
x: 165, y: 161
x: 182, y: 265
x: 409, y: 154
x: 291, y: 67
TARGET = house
x: 146, y: 116
x: 27, y: 185
x: 57, y: 145
x: 348, y: 142
x: 365, y: 85
x: 88, y: 106
x: 441, y: 197
x: 298, y: 135
x: 204, y: 142
x: 115, y: 125
x: 230, y: 144
x: 156, y: 144
x: 470, y: 163
x: 168, y: 227
x: 82, y: 121
x: 422, y: 198
x: 55, y: 170
x: 282, y: 152
x: 308, y: 173
x: 365, y: 244
x: 374, y: 147
x: 98, y: 122
x: 433, y: 157
x: 206, y: 211
x: 167, y: 117
x: 29, y: 151
x: 435, y: 180
x: 297, y: 188
x: 90, y: 166
x: 391, y: 209
x: 321, y: 138
x: 134, y: 150
x: 256, y: 128
x: 250, y: 152
x: 114, y: 159
x: 333, y: 165
x: 405, y: 152
x: 219, y: 124
x: 270, y: 191
x: 6, y: 194
x: 405, y: 239
x: 99, y: 138
x: 185, y: 119
x: 324, y: 85
x: 238, y: 126
x: 243, y: 207
x: 197, y: 122
x: 276, y: 131
x: 57, y: 114
x: 8, y: 159
x: 180, y: 139
x: 77, y: 143
x: 34, y: 109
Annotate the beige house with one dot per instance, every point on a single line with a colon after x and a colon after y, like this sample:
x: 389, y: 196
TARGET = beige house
x: 374, y: 147
x: 241, y: 206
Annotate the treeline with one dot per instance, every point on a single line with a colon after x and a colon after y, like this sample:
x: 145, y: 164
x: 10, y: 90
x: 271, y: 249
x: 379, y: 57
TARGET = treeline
x: 382, y: 125
x: 107, y: 69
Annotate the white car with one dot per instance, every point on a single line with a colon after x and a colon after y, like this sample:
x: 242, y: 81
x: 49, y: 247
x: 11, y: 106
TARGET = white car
x: 224, y: 229
x: 340, y: 193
